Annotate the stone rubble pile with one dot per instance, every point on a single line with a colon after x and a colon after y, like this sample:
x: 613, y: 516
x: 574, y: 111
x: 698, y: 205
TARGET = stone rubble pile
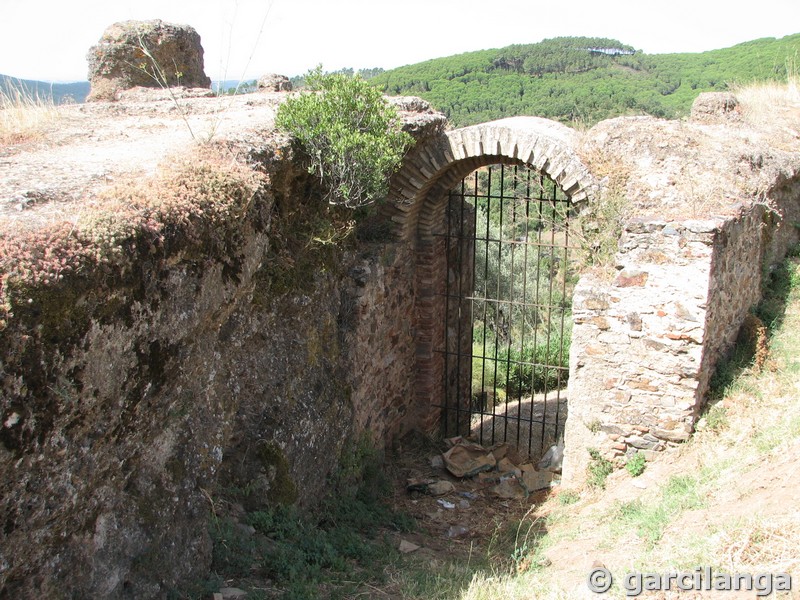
x: 476, y: 470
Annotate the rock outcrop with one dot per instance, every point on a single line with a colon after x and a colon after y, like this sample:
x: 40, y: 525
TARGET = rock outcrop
x: 716, y: 107
x: 148, y: 54
x: 207, y: 355
x: 272, y: 82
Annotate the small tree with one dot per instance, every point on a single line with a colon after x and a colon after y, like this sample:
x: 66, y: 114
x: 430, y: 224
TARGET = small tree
x: 353, y: 138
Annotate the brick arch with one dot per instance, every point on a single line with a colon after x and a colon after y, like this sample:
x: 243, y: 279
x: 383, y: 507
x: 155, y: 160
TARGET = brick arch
x: 417, y: 205
x: 415, y: 202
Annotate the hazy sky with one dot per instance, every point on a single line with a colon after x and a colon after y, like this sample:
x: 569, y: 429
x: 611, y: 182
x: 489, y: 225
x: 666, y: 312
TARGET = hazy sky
x: 48, y: 40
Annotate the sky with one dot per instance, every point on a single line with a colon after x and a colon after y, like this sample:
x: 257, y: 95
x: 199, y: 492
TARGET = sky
x: 243, y: 39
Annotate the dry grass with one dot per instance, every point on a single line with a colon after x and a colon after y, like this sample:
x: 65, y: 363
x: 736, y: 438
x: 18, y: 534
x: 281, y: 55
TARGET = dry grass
x: 599, y: 225
x: 759, y: 546
x: 760, y: 101
x: 774, y: 107
x: 24, y: 116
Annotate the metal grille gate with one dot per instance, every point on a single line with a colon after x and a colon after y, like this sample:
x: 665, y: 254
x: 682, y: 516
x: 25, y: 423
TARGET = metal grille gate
x: 508, y: 298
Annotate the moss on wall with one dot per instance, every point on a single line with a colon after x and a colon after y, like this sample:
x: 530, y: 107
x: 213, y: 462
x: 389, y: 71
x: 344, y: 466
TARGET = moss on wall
x: 282, y: 489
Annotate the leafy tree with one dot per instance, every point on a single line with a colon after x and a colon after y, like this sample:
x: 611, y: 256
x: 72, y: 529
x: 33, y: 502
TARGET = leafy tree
x: 353, y: 138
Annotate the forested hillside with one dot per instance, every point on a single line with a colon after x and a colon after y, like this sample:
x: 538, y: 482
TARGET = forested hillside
x: 577, y: 79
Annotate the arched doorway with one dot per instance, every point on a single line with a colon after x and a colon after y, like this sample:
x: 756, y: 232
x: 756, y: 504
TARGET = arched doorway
x: 419, y: 203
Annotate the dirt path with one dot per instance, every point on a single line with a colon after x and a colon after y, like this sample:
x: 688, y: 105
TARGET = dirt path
x: 530, y: 425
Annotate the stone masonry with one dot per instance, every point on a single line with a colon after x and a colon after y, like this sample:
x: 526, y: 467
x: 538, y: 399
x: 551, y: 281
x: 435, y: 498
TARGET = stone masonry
x: 417, y: 206
x: 648, y: 335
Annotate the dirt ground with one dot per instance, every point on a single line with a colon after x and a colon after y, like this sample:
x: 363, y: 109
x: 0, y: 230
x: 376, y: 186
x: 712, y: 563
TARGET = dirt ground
x: 767, y: 491
x: 54, y: 174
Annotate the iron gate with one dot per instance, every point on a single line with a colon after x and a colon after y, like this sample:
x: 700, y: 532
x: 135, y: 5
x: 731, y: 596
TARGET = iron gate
x: 508, y: 297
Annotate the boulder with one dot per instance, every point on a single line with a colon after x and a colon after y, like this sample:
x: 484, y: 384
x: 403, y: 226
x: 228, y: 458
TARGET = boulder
x: 274, y: 83
x: 712, y: 107
x: 152, y: 54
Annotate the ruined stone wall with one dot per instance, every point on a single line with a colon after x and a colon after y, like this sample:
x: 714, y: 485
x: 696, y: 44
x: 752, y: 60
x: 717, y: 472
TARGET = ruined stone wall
x: 738, y: 266
x: 238, y: 374
x: 637, y: 344
x: 378, y: 338
x: 646, y: 342
x: 746, y: 250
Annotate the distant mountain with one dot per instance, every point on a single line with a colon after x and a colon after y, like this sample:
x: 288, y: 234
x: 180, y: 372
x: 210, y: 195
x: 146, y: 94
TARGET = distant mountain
x: 585, y: 80
x: 60, y: 92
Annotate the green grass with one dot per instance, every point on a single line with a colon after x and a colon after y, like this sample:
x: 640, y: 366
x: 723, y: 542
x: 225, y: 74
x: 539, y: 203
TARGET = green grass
x: 779, y: 432
x: 568, y: 497
x: 650, y: 519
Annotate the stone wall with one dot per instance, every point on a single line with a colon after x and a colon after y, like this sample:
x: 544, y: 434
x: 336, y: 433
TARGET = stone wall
x: 378, y: 338
x: 238, y: 374
x: 457, y: 345
x: 637, y: 344
x: 647, y: 340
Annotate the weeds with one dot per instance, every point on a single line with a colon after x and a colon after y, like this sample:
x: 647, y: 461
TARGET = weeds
x: 636, y: 464
x: 156, y: 72
x: 757, y: 545
x: 598, y: 469
x: 782, y: 430
x: 341, y: 545
x: 716, y: 418
x: 568, y: 497
x: 599, y: 226
x: 649, y: 520
x: 514, y: 552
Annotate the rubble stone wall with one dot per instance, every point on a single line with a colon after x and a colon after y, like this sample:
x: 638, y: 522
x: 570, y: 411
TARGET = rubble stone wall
x: 193, y: 382
x: 646, y: 343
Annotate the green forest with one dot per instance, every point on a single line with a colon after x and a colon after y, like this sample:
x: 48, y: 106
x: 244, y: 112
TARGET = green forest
x: 584, y: 80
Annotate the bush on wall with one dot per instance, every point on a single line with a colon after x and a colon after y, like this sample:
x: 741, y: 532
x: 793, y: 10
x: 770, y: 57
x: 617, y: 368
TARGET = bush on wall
x: 353, y: 138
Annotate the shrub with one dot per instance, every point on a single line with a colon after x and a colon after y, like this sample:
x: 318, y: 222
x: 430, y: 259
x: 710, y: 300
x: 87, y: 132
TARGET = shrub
x: 541, y: 367
x: 352, y: 137
x: 636, y: 464
x: 599, y: 469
